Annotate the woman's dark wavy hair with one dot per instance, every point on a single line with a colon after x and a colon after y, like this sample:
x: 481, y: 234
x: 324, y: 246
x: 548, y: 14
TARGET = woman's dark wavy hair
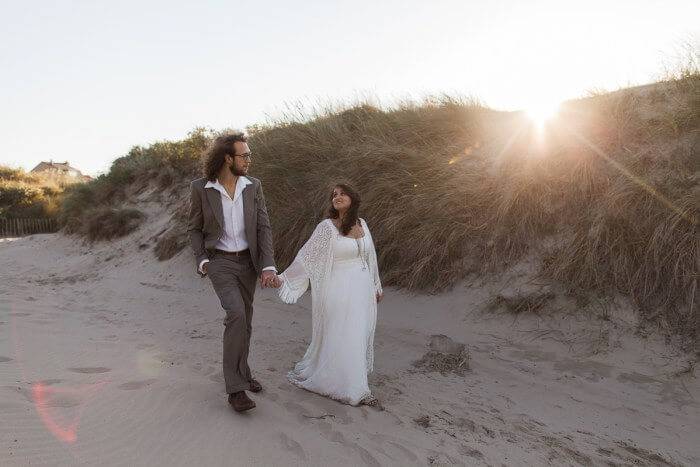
x: 351, y: 217
x: 215, y: 155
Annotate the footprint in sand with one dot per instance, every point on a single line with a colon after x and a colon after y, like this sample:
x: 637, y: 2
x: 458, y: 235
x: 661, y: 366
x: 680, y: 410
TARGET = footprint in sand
x: 298, y: 410
x: 157, y: 286
x: 366, y: 456
x: 90, y: 369
x: 339, y: 411
x: 42, y: 321
x: 48, y: 382
x: 23, y: 391
x: 217, y: 377
x: 439, y: 458
x: 62, y: 401
x: 470, y: 452
x: 337, y: 437
x: 5, y: 359
x: 391, y: 445
x: 131, y: 385
x: 292, y: 446
x: 334, y: 436
x: 406, y: 452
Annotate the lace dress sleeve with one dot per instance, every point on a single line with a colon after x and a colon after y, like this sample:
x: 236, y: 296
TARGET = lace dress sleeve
x: 308, y: 265
x: 372, y: 259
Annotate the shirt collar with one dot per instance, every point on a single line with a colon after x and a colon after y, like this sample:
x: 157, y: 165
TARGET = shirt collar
x: 239, y: 186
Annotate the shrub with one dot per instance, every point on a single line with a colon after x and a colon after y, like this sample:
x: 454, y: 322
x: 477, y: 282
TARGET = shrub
x: 169, y: 245
x: 26, y: 196
x: 108, y: 223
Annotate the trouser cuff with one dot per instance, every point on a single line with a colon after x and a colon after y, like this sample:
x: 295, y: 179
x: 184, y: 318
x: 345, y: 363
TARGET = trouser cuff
x: 238, y: 388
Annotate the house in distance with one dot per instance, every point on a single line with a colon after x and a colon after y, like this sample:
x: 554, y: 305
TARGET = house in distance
x: 60, y: 170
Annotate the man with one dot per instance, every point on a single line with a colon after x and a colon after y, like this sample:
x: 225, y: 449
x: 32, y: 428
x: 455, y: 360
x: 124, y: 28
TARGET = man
x: 231, y: 238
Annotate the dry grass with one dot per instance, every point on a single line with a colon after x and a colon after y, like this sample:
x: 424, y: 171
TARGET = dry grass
x: 444, y: 363
x: 107, y: 223
x: 445, y: 356
x: 450, y: 188
x: 170, y: 244
x: 523, y: 303
x: 608, y: 196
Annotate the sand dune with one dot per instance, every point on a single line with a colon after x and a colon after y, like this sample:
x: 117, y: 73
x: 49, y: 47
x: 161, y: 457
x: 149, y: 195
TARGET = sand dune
x: 108, y: 357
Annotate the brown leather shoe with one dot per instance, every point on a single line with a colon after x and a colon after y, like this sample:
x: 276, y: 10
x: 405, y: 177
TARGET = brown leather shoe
x: 240, y: 401
x: 255, y: 386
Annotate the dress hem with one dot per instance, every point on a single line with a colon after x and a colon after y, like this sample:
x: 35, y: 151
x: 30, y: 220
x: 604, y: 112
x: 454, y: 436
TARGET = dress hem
x: 291, y: 378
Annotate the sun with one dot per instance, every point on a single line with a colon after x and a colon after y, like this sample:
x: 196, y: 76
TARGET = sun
x: 542, y: 111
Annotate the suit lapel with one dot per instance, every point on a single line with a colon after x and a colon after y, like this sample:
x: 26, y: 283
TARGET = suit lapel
x: 214, y: 198
x: 249, y: 208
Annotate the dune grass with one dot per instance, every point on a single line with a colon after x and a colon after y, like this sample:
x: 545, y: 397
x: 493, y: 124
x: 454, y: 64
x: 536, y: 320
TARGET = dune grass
x: 108, y: 223
x: 606, y: 196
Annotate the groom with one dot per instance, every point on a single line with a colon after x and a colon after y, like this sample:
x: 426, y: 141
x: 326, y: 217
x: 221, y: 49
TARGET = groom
x: 231, y: 238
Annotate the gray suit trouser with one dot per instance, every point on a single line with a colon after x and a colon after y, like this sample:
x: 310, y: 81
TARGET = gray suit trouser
x: 234, y: 278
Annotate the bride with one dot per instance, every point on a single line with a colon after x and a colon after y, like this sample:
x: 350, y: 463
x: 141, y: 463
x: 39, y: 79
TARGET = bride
x: 340, y: 264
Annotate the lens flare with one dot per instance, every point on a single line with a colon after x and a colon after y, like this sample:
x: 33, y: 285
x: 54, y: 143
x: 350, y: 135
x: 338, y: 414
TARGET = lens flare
x: 542, y: 112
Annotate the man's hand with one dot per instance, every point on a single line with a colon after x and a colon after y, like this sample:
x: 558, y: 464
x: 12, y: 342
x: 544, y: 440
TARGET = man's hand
x: 379, y: 296
x: 204, y: 268
x: 269, y: 279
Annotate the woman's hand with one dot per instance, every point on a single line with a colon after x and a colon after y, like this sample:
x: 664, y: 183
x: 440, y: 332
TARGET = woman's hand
x: 379, y: 296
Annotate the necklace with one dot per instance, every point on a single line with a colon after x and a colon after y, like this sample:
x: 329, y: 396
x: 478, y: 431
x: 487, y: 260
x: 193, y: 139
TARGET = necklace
x: 360, y: 251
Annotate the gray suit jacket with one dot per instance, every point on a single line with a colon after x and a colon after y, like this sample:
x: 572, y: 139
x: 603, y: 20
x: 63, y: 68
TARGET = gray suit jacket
x: 206, y: 222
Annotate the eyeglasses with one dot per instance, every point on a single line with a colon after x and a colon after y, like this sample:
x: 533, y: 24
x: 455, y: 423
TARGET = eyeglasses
x: 247, y: 156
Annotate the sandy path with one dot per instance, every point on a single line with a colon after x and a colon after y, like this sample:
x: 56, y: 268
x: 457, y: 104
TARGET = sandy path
x: 108, y: 357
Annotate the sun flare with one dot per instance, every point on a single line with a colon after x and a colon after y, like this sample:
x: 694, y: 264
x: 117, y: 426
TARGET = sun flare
x: 542, y: 112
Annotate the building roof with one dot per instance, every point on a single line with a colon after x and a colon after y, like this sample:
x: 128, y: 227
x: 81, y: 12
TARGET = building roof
x: 55, y: 166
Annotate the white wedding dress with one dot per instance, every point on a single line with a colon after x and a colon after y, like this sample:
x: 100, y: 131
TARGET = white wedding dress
x: 344, y: 279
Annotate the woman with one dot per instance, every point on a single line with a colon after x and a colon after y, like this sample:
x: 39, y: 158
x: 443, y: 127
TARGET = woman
x: 340, y: 264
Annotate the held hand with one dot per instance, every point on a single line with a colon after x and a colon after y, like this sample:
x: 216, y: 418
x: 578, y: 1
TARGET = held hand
x: 204, y: 268
x: 379, y: 296
x: 267, y: 278
x: 277, y: 282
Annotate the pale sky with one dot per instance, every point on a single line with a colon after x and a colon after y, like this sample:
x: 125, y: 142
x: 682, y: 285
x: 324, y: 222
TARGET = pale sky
x: 84, y: 81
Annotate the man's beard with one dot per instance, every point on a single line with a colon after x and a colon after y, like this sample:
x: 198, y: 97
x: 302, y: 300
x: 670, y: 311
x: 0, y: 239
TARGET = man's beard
x: 236, y: 172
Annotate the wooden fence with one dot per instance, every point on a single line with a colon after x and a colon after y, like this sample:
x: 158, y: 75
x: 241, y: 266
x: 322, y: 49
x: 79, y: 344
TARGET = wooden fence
x: 20, y: 227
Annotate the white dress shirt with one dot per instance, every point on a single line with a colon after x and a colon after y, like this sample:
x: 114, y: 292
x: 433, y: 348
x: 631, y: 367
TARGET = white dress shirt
x: 233, y: 236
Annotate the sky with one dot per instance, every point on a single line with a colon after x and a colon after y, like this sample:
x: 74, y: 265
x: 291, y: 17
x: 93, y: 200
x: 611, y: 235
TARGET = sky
x: 84, y: 81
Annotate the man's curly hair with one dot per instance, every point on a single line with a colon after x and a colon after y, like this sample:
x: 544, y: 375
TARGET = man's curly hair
x: 215, y: 154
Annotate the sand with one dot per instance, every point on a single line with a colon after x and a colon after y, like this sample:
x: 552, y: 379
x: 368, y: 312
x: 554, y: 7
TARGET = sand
x: 109, y: 357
